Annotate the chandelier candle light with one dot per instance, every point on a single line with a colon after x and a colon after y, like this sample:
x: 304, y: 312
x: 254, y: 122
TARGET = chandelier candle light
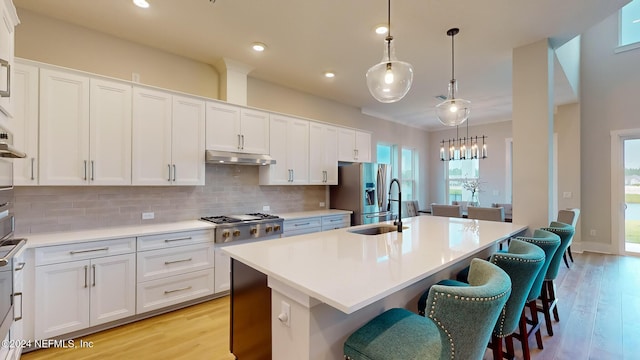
x: 389, y: 80
x: 464, y: 148
x: 453, y: 112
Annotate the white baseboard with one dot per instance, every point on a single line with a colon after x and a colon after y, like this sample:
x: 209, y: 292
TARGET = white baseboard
x: 582, y: 246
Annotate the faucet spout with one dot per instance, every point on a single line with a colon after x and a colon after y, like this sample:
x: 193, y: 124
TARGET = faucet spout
x: 398, y: 222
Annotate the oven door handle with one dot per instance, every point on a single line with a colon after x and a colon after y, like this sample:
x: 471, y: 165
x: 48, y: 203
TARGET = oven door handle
x: 7, y: 258
x: 17, y: 318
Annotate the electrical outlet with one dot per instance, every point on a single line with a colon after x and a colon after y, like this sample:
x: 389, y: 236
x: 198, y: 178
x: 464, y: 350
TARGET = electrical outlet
x: 285, y: 314
x: 321, y: 203
x: 148, y: 215
x: 496, y: 193
x: 592, y: 232
x: 266, y: 208
x: 567, y: 194
x: 135, y: 77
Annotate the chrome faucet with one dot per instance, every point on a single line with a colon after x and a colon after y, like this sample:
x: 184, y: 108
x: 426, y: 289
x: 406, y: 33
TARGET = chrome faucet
x: 398, y: 222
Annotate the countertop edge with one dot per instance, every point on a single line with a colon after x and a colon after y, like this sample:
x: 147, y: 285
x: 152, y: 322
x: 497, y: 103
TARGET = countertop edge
x: 312, y: 213
x: 109, y: 233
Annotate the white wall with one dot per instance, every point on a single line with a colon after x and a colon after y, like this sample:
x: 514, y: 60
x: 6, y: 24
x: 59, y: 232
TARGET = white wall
x: 609, y: 99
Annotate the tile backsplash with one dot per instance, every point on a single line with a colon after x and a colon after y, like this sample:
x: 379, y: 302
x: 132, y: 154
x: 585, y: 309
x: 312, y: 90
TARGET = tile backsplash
x: 229, y: 189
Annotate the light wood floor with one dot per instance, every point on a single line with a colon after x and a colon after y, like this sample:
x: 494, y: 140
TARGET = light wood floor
x: 599, y: 319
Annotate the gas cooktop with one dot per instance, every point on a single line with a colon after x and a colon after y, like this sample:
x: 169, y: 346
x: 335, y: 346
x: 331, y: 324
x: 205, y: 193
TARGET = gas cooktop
x: 246, y: 218
x: 247, y: 226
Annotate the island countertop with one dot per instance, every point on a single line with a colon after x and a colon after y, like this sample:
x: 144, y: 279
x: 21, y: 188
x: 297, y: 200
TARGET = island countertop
x: 349, y: 271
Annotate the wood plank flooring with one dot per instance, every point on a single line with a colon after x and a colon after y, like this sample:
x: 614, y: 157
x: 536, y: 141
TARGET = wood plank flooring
x: 599, y: 319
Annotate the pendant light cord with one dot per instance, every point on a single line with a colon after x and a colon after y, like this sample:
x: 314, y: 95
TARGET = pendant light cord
x: 389, y: 37
x: 452, y: 58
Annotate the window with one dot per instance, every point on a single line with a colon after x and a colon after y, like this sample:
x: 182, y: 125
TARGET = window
x: 457, y: 171
x: 408, y: 178
x: 630, y: 23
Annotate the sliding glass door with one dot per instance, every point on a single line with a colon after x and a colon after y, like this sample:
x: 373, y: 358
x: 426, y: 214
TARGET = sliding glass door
x: 632, y: 195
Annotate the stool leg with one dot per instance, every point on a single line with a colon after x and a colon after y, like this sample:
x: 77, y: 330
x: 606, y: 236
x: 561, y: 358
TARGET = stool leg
x: 564, y: 257
x: 553, y: 300
x: 569, y: 252
x: 535, y: 323
x: 496, y: 347
x: 524, y: 336
x: 545, y: 306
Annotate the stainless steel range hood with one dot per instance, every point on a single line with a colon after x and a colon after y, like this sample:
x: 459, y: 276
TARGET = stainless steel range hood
x: 6, y: 146
x: 224, y: 157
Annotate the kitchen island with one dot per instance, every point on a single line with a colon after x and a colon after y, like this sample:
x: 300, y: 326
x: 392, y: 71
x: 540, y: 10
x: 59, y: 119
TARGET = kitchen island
x: 335, y: 281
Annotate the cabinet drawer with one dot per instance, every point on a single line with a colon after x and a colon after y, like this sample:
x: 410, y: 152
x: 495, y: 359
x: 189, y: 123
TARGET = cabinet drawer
x: 300, y: 224
x: 161, y: 263
x: 157, y: 294
x: 335, y: 222
x: 85, y: 250
x: 162, y: 241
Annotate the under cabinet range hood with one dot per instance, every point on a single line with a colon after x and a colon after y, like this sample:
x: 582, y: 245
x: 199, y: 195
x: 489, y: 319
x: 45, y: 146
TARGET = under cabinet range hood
x: 6, y: 146
x: 233, y: 158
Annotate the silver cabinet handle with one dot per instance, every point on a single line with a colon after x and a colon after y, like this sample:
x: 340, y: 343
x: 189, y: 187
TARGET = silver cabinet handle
x: 85, y: 170
x: 6, y: 93
x: 176, y: 290
x: 169, y: 166
x: 292, y: 175
x: 302, y: 224
x: 33, y: 160
x: 174, y: 172
x: 177, y: 261
x: 20, y: 266
x: 73, y: 252
x: 94, y: 275
x: 17, y: 318
x: 85, y: 275
x: 242, y: 137
x: 335, y: 220
x: 92, y: 170
x: 239, y: 148
x: 178, y: 239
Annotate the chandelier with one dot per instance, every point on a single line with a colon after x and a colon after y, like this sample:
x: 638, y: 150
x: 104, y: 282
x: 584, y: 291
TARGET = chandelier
x: 463, y: 148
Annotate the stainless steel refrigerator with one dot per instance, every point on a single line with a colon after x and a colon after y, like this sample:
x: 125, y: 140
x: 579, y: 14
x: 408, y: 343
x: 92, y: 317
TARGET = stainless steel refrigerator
x: 363, y: 188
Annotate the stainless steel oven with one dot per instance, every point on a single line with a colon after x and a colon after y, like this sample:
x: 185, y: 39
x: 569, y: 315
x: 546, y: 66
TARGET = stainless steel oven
x: 9, y: 246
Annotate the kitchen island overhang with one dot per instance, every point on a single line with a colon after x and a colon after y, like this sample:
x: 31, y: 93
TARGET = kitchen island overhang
x: 337, y: 280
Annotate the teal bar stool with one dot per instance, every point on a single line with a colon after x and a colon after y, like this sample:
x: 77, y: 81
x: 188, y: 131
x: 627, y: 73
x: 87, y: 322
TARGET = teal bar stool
x: 458, y: 324
x: 548, y: 292
x: 549, y: 243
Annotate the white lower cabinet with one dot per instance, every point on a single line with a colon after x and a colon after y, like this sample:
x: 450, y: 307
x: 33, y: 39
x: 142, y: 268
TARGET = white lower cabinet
x: 178, y: 267
x: 223, y: 272
x: 74, y: 295
x: 315, y: 224
x: 333, y: 222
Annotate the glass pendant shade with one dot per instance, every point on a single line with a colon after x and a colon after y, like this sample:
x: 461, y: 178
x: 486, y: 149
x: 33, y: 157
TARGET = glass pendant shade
x: 390, y: 80
x: 453, y: 112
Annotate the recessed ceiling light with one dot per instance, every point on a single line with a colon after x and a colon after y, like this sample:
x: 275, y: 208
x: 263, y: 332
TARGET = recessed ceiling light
x: 381, y: 29
x: 258, y: 46
x: 141, y: 3
x: 329, y: 74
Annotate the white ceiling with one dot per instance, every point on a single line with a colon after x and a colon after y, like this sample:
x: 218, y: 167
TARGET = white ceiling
x: 306, y: 38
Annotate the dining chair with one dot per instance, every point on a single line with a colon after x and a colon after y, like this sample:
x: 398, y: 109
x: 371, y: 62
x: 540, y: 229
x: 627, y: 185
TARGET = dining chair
x: 508, y: 208
x: 549, y: 243
x: 486, y: 213
x: 446, y: 210
x: 569, y: 216
x: 548, y: 298
x: 464, y: 205
x: 458, y: 324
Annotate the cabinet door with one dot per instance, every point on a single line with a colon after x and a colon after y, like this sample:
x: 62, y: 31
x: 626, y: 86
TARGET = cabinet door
x: 7, y: 44
x: 62, y: 298
x: 110, y: 133
x: 330, y: 148
x: 151, y: 157
x: 254, y: 132
x: 298, y: 150
x: 64, y: 128
x: 346, y: 144
x: 223, y: 127
x: 222, y: 272
x: 316, y: 153
x: 113, y: 288
x: 24, y: 91
x: 363, y: 146
x: 187, y: 141
x: 280, y: 172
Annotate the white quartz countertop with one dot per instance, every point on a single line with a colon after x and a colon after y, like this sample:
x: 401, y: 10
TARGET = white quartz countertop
x: 60, y: 238
x: 313, y: 213
x: 350, y: 271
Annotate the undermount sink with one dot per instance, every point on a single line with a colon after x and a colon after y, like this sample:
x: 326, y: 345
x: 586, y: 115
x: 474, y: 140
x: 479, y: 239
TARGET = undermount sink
x: 376, y: 230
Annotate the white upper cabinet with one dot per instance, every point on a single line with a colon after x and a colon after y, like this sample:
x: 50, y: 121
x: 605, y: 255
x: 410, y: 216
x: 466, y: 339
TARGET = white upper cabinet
x: 323, y: 154
x: 7, y: 44
x: 236, y: 129
x: 85, y: 130
x: 25, y: 123
x: 354, y: 145
x: 289, y: 139
x: 64, y: 128
x: 168, y: 138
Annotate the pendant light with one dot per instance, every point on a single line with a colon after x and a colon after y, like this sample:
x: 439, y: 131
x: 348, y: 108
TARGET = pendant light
x: 390, y: 80
x: 453, y: 112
